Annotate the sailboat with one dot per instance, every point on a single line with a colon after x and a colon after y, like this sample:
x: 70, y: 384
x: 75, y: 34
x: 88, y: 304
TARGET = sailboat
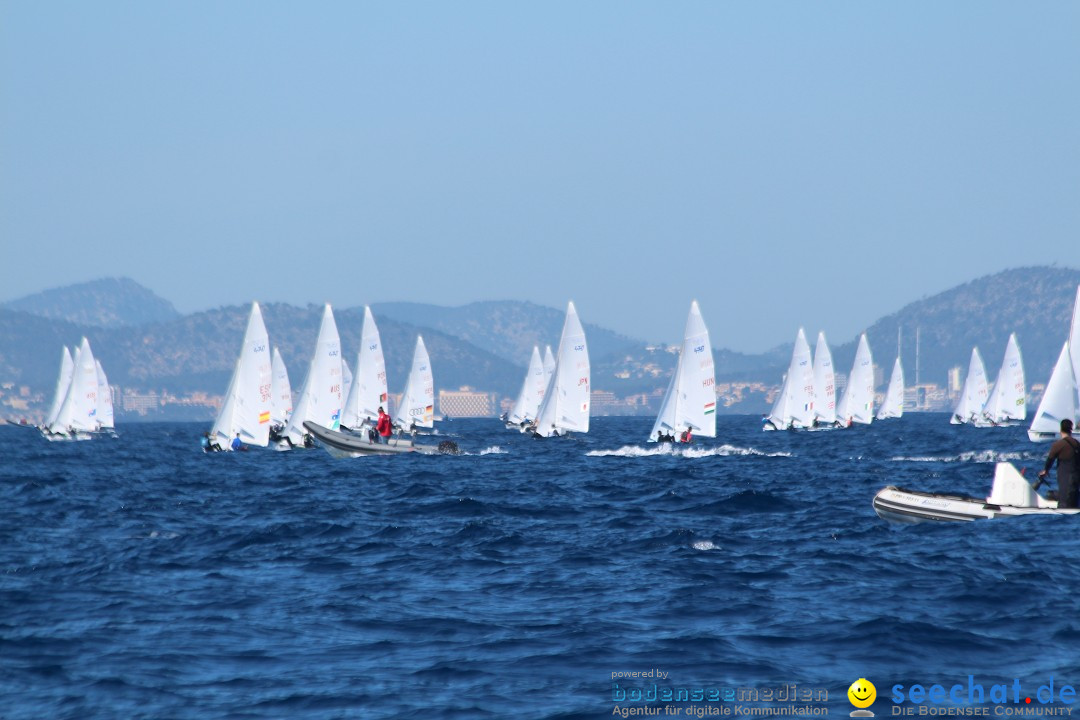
x: 973, y: 396
x: 565, y: 407
x: 280, y: 395
x: 857, y: 401
x: 320, y: 398
x: 1008, y: 398
x: 417, y: 409
x: 532, y: 392
x: 1059, y: 401
x: 893, y: 406
x: 245, y: 411
x: 368, y: 392
x: 690, y: 402
x: 105, y: 422
x: 77, y: 417
x: 794, y: 406
x: 549, y: 364
x: 63, y: 382
x: 824, y: 384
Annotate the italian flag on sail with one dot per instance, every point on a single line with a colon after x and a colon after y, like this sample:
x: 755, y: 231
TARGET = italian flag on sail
x: 710, y: 408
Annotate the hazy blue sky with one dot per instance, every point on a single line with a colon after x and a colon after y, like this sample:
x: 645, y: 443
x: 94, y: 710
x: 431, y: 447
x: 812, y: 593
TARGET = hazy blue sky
x: 787, y: 164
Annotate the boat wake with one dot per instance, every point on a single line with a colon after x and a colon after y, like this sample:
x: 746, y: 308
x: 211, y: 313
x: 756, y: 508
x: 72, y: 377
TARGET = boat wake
x: 691, y: 452
x: 972, y: 456
x: 493, y: 450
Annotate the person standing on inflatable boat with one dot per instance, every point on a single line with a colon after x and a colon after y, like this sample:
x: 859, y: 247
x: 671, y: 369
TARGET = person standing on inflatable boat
x: 1067, y: 453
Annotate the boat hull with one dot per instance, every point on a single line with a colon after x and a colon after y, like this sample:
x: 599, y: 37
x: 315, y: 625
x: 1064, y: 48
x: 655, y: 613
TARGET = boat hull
x: 910, y: 506
x: 341, y: 444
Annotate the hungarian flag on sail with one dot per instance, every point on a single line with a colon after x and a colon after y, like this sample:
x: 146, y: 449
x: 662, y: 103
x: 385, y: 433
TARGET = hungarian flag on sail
x: 264, y: 417
x: 710, y: 408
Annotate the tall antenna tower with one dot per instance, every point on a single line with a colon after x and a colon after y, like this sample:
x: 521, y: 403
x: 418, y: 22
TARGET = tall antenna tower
x: 917, y: 328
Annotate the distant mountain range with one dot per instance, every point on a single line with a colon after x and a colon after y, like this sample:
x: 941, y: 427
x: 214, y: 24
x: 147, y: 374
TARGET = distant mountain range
x: 106, y: 303
x: 145, y: 344
x: 1034, y: 302
x: 508, y: 329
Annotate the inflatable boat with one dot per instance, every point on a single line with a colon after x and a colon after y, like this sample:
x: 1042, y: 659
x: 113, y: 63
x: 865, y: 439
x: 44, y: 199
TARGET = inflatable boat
x: 348, y: 444
x: 1010, y: 496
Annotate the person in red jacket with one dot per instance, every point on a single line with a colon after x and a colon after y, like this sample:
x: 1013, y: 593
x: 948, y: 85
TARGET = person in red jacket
x: 383, y: 426
x: 686, y: 437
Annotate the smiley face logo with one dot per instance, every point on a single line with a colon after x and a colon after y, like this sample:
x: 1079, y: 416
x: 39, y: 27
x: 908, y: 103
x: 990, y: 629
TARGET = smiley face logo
x: 862, y: 693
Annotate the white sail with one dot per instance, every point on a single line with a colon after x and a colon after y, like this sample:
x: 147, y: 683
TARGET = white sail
x: 280, y: 392
x: 78, y: 412
x: 857, y: 402
x: 246, y: 407
x: 418, y: 399
x: 690, y: 401
x: 1058, y: 402
x: 893, y: 406
x: 320, y: 399
x: 794, y: 407
x: 104, y: 400
x: 824, y: 383
x: 1008, y: 398
x: 1074, y: 342
x: 973, y: 396
x: 549, y: 364
x: 346, y: 382
x: 368, y: 391
x: 63, y: 382
x: 565, y: 407
x: 532, y: 391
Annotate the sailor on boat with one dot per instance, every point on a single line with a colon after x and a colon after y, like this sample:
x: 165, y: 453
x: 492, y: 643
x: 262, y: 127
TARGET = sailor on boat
x: 383, y: 428
x: 208, y: 445
x: 554, y: 431
x: 686, y: 437
x: 1066, y: 451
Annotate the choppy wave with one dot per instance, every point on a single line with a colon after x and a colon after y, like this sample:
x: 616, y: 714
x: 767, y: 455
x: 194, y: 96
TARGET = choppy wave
x: 176, y: 584
x: 668, y: 450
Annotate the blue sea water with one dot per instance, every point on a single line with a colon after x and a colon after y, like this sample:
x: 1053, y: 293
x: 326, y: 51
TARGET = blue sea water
x: 140, y: 578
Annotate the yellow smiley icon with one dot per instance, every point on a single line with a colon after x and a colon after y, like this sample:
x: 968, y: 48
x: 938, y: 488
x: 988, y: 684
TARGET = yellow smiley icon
x: 862, y: 693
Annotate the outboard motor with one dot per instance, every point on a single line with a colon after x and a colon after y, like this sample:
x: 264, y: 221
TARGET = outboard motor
x: 1011, y: 488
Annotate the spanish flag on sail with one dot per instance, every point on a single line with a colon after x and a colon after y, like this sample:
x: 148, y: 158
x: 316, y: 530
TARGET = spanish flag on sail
x: 264, y: 417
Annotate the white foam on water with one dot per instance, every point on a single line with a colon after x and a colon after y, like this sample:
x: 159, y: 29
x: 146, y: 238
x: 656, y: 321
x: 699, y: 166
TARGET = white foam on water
x: 724, y: 450
x: 976, y: 456
x: 704, y: 545
x: 493, y: 450
x: 635, y: 451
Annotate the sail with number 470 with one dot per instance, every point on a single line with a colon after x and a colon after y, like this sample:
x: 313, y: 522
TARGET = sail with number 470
x: 565, y: 407
x: 245, y: 410
x: 690, y: 401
